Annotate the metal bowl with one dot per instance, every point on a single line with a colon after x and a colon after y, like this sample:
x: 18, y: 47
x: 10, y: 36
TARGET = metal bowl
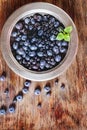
x: 27, y: 10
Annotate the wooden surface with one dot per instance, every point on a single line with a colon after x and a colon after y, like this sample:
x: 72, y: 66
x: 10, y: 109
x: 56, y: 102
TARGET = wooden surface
x: 65, y: 109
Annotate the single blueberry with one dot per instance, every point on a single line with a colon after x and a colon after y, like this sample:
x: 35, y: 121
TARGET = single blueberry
x: 27, y: 58
x: 20, y: 51
x: 6, y: 91
x: 19, y: 26
x: 18, y: 57
x: 33, y: 40
x: 32, y: 53
x: 64, y: 43
x: 52, y: 37
x: 56, y: 24
x: 3, y: 110
x: 19, y: 97
x: 32, y: 21
x: 40, y: 54
x: 49, y: 52
x: 33, y: 47
x: 25, y: 48
x: 48, y: 94
x: 47, y: 87
x: 27, y: 83
x: 39, y: 105
x: 14, y: 34
x: 59, y: 44
x: 37, y: 90
x: 56, y: 49
x: 30, y: 27
x: 15, y: 45
x: 57, y: 58
x: 40, y: 32
x: 11, y: 108
x: 42, y: 63
x: 63, y: 50
x: 3, y: 76
x: 24, y: 37
x: 56, y: 82
x: 27, y: 20
x: 25, y: 90
x: 17, y: 39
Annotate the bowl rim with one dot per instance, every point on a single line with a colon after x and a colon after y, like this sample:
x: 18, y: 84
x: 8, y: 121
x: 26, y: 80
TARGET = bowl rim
x: 29, y: 9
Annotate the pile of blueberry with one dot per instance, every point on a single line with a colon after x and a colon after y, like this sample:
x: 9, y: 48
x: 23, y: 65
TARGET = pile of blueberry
x: 34, y: 44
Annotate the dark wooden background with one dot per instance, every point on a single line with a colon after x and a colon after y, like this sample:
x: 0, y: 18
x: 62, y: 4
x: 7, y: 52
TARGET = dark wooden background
x: 66, y: 109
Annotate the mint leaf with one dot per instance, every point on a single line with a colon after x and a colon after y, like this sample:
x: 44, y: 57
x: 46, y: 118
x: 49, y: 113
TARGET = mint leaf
x: 68, y: 29
x: 60, y: 36
x: 67, y: 37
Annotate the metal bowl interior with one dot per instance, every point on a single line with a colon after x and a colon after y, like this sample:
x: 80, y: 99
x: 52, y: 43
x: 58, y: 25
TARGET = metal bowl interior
x: 27, y: 10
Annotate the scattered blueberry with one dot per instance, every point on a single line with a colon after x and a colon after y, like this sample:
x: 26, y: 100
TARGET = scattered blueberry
x: 3, y: 76
x: 48, y: 94
x: 3, y: 110
x: 6, y: 91
x: 58, y: 58
x: 25, y: 90
x: 37, y: 90
x: 11, y: 108
x: 19, y: 97
x: 15, y: 99
x: 39, y: 105
x: 27, y: 83
x: 47, y: 87
x: 62, y: 86
x: 56, y: 81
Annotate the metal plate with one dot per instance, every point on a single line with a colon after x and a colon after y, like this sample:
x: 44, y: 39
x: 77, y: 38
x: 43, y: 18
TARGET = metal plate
x: 27, y: 10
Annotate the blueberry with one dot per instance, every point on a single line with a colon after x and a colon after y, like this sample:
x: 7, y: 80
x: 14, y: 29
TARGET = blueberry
x: 63, y: 50
x: 64, y: 43
x: 17, y: 39
x: 19, y: 97
x: 26, y: 43
x: 42, y: 63
x: 33, y: 40
x: 20, y: 51
x: 27, y: 20
x: 25, y: 48
x: 3, y: 110
x: 45, y: 18
x: 19, y: 26
x: 30, y: 27
x: 18, y: 57
x: 27, y: 58
x: 25, y: 90
x: 40, y: 32
x: 3, y: 76
x: 56, y: 49
x: 15, y: 45
x: 14, y: 34
x: 34, y: 67
x: 6, y: 91
x: 40, y: 54
x: 48, y: 94
x: 59, y: 44
x: 32, y: 53
x: 52, y: 37
x: 56, y: 81
x: 27, y: 83
x: 52, y: 20
x: 24, y: 37
x: 56, y: 24
x: 57, y: 58
x: 49, y: 52
x: 32, y: 21
x: 62, y: 86
x: 47, y: 65
x: 39, y: 105
x: 11, y: 108
x: 47, y: 88
x: 33, y: 47
x: 37, y: 90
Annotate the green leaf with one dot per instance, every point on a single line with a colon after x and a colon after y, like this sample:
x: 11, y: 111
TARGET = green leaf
x: 67, y: 37
x: 60, y: 36
x: 68, y: 29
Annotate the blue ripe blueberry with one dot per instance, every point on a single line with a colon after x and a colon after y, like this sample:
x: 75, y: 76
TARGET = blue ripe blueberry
x: 25, y: 90
x: 40, y: 32
x: 19, y: 97
x: 56, y: 49
x: 17, y: 39
x: 33, y: 47
x: 15, y: 45
x: 27, y: 58
x: 25, y: 48
x: 6, y: 91
x: 32, y: 21
x: 64, y: 43
x: 47, y: 87
x: 49, y: 52
x: 63, y: 50
x: 19, y: 26
x: 33, y: 40
x: 30, y: 27
x: 40, y: 54
x: 20, y: 51
x: 24, y: 37
x: 59, y: 44
x: 37, y: 90
x: 27, y: 83
x: 3, y: 110
x: 3, y: 76
x: 52, y: 38
x: 27, y: 20
x: 42, y: 63
x: 14, y: 34
x: 18, y: 57
x: 11, y: 108
x: 47, y: 65
x: 58, y: 58
x: 48, y: 94
x: 32, y: 53
x: 56, y: 24
x: 39, y: 105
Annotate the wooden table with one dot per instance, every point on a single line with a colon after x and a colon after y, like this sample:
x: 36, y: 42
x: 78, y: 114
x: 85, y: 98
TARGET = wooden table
x: 66, y: 108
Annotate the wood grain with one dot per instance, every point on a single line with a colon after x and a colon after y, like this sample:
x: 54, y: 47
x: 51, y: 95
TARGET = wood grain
x: 66, y: 109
